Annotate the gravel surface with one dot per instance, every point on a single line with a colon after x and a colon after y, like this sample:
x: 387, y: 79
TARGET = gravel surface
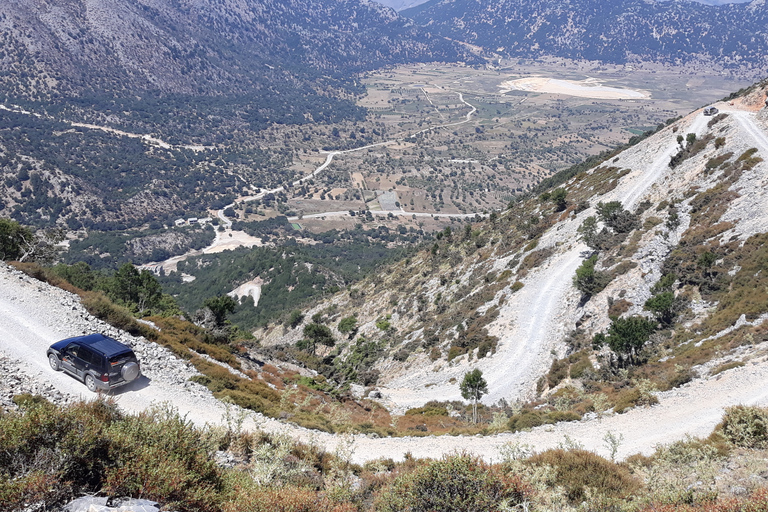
x: 33, y: 315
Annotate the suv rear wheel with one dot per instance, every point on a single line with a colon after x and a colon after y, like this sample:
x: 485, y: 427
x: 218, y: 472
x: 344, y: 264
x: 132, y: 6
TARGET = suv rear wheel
x: 54, y: 362
x: 90, y: 383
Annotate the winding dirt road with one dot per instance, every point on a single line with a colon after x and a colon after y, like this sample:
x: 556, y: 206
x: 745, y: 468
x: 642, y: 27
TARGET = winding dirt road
x: 33, y: 315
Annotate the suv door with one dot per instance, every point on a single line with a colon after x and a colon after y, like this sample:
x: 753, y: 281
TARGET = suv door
x: 82, y: 361
x: 68, y: 358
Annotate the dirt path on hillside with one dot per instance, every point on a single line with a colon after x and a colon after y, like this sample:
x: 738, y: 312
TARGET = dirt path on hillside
x: 533, y: 320
x: 33, y: 315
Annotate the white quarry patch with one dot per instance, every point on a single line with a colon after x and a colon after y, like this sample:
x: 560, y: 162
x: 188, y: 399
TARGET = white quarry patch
x: 252, y: 288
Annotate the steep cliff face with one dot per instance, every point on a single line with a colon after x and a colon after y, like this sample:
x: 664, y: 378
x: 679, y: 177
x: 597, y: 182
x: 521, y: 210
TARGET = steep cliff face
x: 501, y: 295
x: 619, y: 31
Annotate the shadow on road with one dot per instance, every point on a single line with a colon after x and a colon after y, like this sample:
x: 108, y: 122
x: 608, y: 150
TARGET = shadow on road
x: 137, y: 385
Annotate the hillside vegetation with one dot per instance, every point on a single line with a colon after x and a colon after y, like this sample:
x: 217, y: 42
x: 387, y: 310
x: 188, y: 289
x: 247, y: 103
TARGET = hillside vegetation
x: 50, y: 455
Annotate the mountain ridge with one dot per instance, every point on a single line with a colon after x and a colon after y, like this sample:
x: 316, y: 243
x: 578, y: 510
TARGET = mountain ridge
x: 629, y: 31
x: 202, y: 47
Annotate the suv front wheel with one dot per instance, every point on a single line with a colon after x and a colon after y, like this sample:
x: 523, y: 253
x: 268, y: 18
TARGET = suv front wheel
x: 54, y: 362
x: 90, y: 383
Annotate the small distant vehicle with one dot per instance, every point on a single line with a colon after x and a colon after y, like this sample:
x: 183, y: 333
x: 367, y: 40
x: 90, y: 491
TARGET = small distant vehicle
x: 101, y: 362
x: 710, y: 111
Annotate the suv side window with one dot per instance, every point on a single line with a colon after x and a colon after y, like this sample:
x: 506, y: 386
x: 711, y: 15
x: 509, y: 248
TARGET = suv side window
x: 72, y: 350
x: 97, y: 360
x: 85, y: 354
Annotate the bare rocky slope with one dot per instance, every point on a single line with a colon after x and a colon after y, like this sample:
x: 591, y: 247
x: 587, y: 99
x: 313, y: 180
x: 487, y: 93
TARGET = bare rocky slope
x: 535, y: 308
x: 620, y: 31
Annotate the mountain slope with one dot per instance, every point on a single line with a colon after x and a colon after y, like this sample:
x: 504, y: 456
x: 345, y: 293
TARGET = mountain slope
x: 200, y: 48
x: 732, y: 35
x: 500, y: 296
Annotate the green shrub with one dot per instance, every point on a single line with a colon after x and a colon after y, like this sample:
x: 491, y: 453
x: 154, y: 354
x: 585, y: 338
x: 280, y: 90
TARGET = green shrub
x: 49, y: 454
x: 588, y: 280
x: 746, y: 426
x: 527, y: 419
x: 104, y: 309
x: 455, y: 483
x: 580, y: 367
x: 348, y: 324
x: 383, y: 323
x: 586, y: 475
x: 633, y: 397
x: 161, y: 456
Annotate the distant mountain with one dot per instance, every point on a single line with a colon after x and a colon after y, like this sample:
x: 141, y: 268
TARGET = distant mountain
x: 617, y: 31
x: 203, y: 47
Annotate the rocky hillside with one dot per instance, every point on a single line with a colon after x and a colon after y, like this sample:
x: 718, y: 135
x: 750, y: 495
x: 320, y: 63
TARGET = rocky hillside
x: 200, y: 48
x: 663, y: 239
x: 622, y: 31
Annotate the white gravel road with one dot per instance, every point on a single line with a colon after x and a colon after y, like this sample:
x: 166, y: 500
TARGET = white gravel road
x: 33, y: 315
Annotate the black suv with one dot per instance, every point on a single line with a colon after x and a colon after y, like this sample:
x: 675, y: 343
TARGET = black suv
x: 99, y: 361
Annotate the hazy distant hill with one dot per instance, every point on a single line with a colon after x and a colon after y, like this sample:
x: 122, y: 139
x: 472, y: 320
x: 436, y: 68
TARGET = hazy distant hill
x: 616, y: 31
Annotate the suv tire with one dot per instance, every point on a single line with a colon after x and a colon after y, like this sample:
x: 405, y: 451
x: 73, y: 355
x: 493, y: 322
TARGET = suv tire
x: 90, y: 383
x: 54, y: 362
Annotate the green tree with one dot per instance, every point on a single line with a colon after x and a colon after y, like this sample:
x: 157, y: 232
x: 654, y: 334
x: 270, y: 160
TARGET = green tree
x: 588, y: 280
x: 616, y: 217
x: 664, y: 306
x: 627, y: 336
x: 137, y: 290
x: 220, y: 306
x: 79, y: 274
x: 14, y: 240
x: 588, y: 232
x: 318, y: 334
x: 473, y: 387
x: 558, y: 197
x: 705, y: 262
x: 348, y: 325
x: 295, y: 318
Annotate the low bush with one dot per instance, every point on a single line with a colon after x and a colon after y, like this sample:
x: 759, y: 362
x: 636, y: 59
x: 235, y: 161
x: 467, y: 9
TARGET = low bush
x: 428, y: 410
x: 586, y: 475
x: 527, y: 419
x: 588, y: 280
x: 104, y: 309
x: 746, y: 427
x: 51, y: 455
x: 726, y: 366
x: 455, y: 483
x: 631, y: 398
